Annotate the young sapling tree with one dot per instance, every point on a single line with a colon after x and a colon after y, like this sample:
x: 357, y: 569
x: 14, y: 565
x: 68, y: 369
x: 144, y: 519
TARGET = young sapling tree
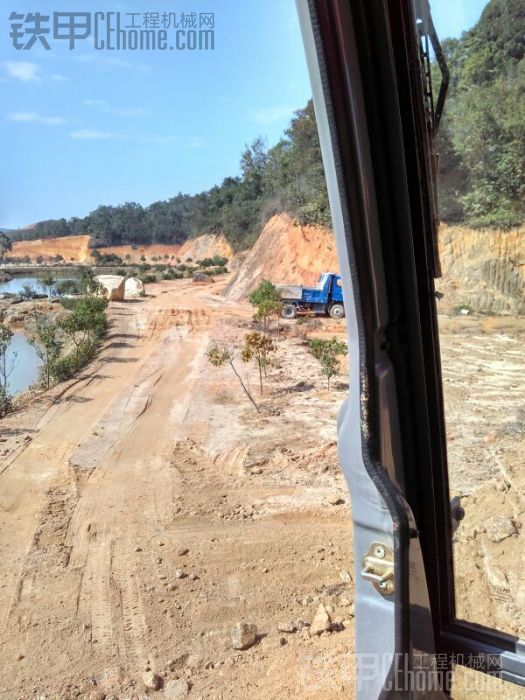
x: 259, y: 348
x: 222, y: 354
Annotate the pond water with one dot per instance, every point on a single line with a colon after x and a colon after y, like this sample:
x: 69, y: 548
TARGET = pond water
x: 17, y: 284
x: 21, y: 355
x: 25, y: 362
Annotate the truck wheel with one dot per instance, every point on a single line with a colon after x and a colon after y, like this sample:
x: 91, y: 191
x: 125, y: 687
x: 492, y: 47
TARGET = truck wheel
x: 337, y: 311
x: 289, y: 311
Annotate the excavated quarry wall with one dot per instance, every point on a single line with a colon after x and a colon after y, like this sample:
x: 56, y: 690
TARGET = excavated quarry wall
x: 206, y: 246
x: 76, y: 249
x: 482, y: 269
x: 71, y: 248
x: 284, y: 252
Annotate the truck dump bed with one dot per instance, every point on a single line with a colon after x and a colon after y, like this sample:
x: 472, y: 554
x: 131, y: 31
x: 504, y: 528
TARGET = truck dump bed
x: 290, y: 291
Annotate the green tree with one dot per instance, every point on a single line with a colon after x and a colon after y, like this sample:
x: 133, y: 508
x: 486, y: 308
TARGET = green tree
x: 27, y: 292
x: 7, y: 365
x: 68, y: 287
x: 258, y: 347
x: 327, y: 352
x: 47, y: 282
x: 88, y: 283
x: 5, y: 244
x: 254, y: 160
x: 83, y: 329
x: 87, y: 322
x: 481, y: 141
x: 267, y: 300
x: 47, y: 346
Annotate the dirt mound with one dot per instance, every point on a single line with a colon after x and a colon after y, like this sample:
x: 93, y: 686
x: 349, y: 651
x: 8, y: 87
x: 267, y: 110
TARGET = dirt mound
x: 71, y: 248
x: 484, y: 270
x: 146, y: 253
x: 285, y: 252
x: 206, y: 247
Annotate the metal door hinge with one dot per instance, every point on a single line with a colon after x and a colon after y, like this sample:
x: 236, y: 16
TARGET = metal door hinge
x: 378, y: 567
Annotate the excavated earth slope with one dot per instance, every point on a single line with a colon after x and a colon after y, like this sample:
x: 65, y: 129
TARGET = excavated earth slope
x: 483, y: 269
x: 135, y: 254
x: 76, y: 249
x: 285, y: 252
x: 206, y: 246
x: 71, y: 248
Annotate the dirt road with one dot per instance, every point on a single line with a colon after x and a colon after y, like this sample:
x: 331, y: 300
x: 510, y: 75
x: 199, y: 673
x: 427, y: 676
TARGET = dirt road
x: 145, y: 508
x: 152, y: 452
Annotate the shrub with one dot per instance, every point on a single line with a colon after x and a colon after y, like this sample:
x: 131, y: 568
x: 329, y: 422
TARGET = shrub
x: 84, y: 328
x: 148, y: 279
x: 27, y: 292
x: 66, y: 367
x: 327, y: 352
x: 6, y: 367
x: 67, y: 287
x: 48, y: 348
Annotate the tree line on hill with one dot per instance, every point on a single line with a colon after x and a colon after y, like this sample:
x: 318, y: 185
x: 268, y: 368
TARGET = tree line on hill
x: 481, y: 140
x: 481, y: 145
x: 287, y: 177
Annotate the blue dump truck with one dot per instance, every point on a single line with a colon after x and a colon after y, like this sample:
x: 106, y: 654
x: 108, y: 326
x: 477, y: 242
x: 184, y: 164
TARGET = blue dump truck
x: 324, y: 299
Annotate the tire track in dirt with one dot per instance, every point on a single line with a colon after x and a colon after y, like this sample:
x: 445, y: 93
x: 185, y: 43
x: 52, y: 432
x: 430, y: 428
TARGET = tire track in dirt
x: 98, y: 414
x: 108, y: 502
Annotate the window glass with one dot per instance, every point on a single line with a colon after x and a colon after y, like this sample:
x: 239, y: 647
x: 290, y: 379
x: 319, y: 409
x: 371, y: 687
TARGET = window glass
x: 481, y: 302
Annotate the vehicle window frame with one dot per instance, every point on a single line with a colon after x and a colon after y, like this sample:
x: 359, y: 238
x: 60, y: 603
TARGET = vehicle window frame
x: 387, y: 44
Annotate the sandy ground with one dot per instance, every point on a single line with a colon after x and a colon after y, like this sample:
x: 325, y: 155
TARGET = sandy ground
x: 150, y: 451
x: 107, y: 481
x: 484, y: 386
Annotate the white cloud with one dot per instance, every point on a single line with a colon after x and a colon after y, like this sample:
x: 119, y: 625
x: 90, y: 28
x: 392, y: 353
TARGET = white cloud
x: 58, y: 78
x: 23, y: 70
x: 153, y: 138
x: 97, y: 60
x: 130, y: 112
x: 195, y: 143
x: 33, y: 117
x: 269, y: 115
x: 91, y: 135
x: 102, y: 104
x: 105, y: 107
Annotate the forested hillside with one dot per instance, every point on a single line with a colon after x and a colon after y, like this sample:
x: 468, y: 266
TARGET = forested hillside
x: 482, y: 135
x: 481, y: 146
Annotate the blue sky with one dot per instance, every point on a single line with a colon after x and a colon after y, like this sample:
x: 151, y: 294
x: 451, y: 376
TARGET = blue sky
x: 84, y: 127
